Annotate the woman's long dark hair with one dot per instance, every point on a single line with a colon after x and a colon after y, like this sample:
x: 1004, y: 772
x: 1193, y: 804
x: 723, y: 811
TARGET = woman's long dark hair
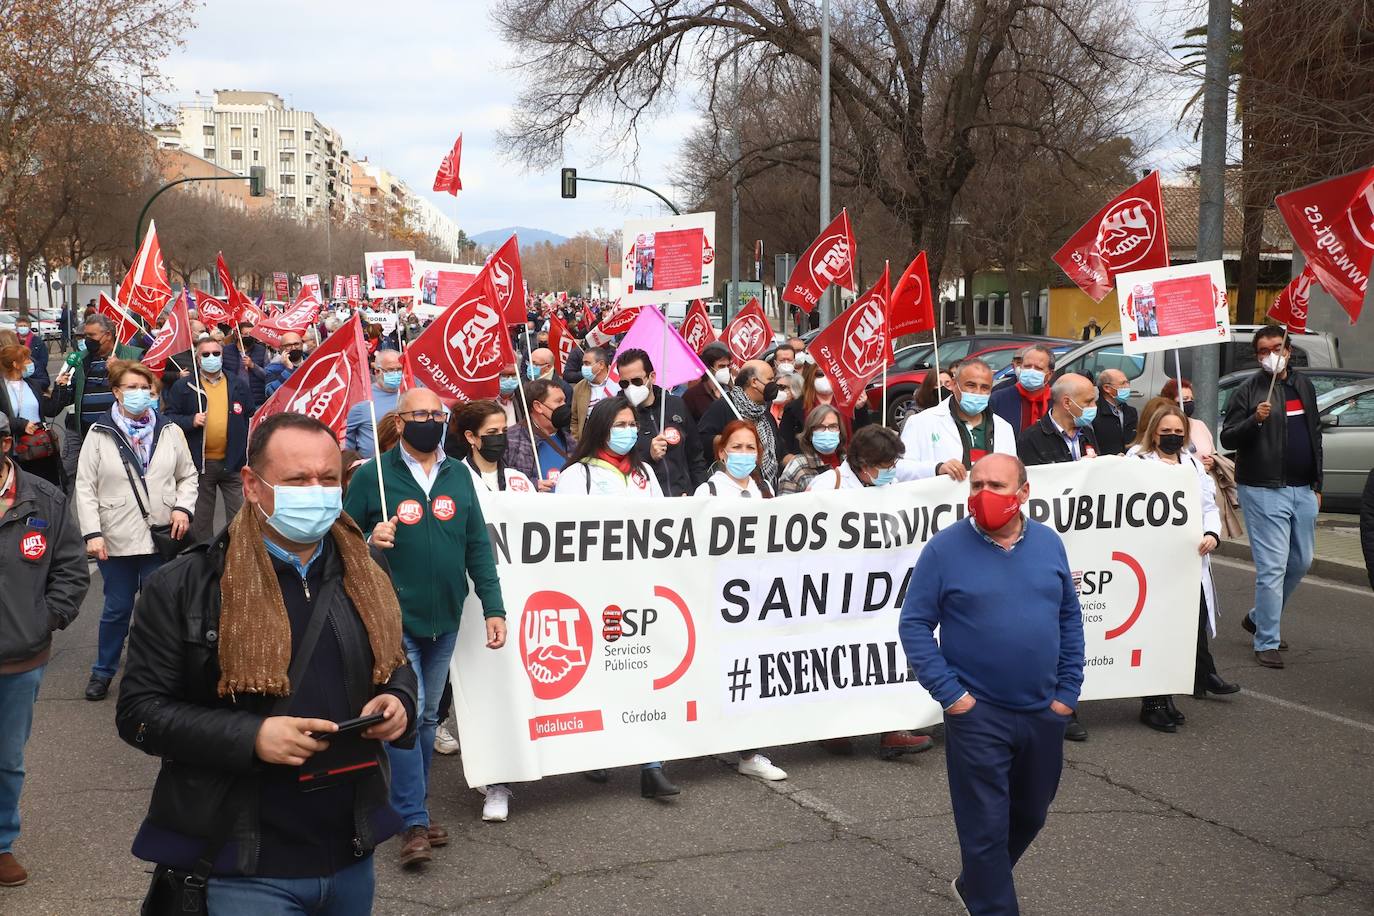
x: 596, y: 433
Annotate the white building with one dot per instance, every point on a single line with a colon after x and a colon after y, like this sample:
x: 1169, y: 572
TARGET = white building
x: 421, y: 214
x: 307, y: 166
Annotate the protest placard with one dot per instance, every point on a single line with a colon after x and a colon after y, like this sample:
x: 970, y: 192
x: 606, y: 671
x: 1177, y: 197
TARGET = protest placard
x: 1169, y: 307
x: 669, y: 259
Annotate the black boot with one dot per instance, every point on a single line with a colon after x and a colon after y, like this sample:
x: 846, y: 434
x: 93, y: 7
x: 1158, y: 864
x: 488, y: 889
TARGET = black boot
x: 1174, y: 713
x: 597, y: 776
x: 1214, y: 683
x: 1155, y: 713
x: 654, y: 784
x: 97, y: 688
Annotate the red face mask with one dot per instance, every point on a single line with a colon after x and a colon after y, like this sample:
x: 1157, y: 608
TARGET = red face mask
x: 993, y: 510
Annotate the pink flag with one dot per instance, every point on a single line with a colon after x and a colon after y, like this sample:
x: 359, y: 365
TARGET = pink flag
x: 675, y: 363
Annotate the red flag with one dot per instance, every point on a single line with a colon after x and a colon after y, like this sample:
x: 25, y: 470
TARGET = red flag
x: 297, y: 317
x: 913, y: 304
x: 1332, y: 223
x: 331, y: 380
x: 748, y: 333
x: 460, y: 355
x: 856, y: 345
x: 209, y: 309
x: 145, y: 291
x: 240, y: 306
x: 619, y: 320
x: 447, y: 178
x: 560, y: 342
x: 829, y: 260
x: 1290, y: 308
x: 125, y: 326
x: 172, y: 338
x: 508, y: 280
x: 696, y: 327
x: 1127, y: 234
x: 281, y: 285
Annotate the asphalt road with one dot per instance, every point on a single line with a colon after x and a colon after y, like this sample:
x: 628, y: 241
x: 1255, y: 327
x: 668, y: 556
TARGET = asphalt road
x: 1261, y: 804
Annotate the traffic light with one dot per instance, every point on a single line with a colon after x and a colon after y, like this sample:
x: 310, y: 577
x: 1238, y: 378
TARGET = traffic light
x: 569, y: 183
x: 257, y: 181
x: 567, y: 263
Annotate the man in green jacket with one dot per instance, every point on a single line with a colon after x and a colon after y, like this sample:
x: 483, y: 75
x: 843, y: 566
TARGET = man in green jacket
x: 436, y: 539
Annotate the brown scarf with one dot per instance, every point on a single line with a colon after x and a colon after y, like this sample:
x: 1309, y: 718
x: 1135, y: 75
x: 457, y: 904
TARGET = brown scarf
x: 255, y: 632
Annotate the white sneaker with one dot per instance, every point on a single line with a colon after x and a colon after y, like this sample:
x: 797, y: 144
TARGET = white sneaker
x: 444, y: 742
x: 760, y: 766
x: 497, y: 806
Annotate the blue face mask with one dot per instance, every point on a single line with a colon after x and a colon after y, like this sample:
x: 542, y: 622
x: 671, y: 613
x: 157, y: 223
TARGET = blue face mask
x: 740, y: 465
x: 825, y: 441
x: 623, y: 439
x: 1086, y: 417
x: 391, y: 379
x: 211, y: 364
x: 531, y: 371
x: 970, y: 403
x: 588, y: 375
x: 81, y: 345
x: 885, y: 477
x: 1123, y: 395
x: 137, y: 400
x: 1031, y: 379
x: 28, y: 370
x: 303, y: 515
x: 508, y: 385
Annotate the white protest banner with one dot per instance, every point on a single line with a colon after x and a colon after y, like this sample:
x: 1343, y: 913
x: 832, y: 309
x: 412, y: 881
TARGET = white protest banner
x: 391, y: 273
x: 1170, y: 307
x: 660, y: 629
x: 441, y: 283
x: 668, y: 259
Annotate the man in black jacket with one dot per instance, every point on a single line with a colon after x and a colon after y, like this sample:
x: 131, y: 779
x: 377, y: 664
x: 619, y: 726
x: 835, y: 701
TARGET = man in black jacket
x: 1064, y: 433
x: 235, y: 719
x: 1114, y: 427
x: 1272, y: 424
x: 46, y: 577
x: 750, y: 398
x: 213, y: 408
x: 673, y: 450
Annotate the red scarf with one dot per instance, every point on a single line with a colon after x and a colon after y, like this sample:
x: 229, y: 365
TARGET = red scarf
x: 832, y: 460
x: 1034, y: 404
x: 620, y: 462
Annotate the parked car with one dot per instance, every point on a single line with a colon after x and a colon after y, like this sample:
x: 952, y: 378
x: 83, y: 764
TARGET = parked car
x: 48, y: 328
x: 1148, y: 372
x: 1347, y: 419
x: 1007, y: 373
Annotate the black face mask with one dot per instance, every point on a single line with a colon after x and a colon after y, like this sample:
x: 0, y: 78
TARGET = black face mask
x: 295, y: 356
x: 493, y: 446
x: 770, y: 392
x: 561, y: 417
x: 1171, y: 443
x: 423, y: 435
x: 1187, y: 408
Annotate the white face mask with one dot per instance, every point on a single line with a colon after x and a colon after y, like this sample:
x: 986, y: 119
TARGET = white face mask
x: 823, y: 386
x: 785, y: 368
x: 637, y: 394
x: 722, y: 375
x: 803, y: 358
x: 1274, y: 363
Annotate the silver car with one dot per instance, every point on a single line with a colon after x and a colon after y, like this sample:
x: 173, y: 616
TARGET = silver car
x: 1347, y: 419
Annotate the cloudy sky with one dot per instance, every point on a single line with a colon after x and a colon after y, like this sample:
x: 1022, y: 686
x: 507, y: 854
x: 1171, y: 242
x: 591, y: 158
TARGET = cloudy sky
x: 399, y: 81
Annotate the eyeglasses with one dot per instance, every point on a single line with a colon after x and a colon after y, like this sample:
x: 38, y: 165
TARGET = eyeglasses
x: 423, y: 416
x: 624, y: 426
x: 627, y: 382
x: 828, y: 428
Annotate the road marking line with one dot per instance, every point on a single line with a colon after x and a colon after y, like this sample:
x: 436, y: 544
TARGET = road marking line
x: 1232, y: 563
x: 1299, y: 707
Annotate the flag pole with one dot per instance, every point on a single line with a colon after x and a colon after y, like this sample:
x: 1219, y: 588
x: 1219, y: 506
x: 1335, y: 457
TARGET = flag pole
x: 663, y: 401
x: 721, y: 391
x: 887, y: 317
x: 1274, y: 377
x: 200, y: 401
x: 1178, y: 377
x: 529, y: 425
x: 935, y: 351
x: 376, y: 448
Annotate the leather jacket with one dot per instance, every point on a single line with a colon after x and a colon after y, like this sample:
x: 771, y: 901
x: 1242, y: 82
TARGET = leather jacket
x: 1260, y: 447
x: 169, y: 707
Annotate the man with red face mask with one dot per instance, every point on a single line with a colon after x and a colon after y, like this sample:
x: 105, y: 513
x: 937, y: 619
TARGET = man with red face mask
x: 1007, y: 670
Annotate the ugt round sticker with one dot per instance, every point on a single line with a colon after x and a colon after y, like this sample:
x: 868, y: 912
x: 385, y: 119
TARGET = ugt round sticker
x: 443, y: 507
x: 672, y: 435
x: 33, y: 545
x: 410, y: 512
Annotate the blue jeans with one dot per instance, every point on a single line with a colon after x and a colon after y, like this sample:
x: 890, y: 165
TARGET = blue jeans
x: 123, y: 577
x: 1282, y: 525
x: 1003, y: 773
x: 18, y: 692
x: 429, y: 657
x: 347, y: 892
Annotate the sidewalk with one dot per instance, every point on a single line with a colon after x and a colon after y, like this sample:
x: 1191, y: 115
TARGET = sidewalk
x: 1337, y: 555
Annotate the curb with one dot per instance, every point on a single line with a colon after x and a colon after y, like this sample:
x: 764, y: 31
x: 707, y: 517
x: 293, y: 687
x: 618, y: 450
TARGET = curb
x: 1327, y: 569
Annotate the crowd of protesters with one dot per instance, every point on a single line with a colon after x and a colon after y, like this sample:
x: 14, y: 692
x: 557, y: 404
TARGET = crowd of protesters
x: 141, y: 465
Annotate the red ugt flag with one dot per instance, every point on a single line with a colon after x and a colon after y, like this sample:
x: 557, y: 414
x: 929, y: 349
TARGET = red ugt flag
x: 1332, y: 222
x: 560, y: 342
x: 145, y: 290
x: 299, y: 316
x: 331, y: 380
x: 460, y: 355
x: 241, y: 308
x: 508, y: 280
x: 913, y: 305
x: 829, y: 260
x: 125, y: 326
x: 211, y: 310
x: 172, y: 338
x: 748, y: 333
x: 696, y: 328
x: 855, y: 346
x: 1290, y: 308
x: 1127, y: 234
x: 447, y: 177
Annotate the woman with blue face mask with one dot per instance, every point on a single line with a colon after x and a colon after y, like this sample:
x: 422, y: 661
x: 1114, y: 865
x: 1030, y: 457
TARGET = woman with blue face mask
x: 820, y: 448
x: 135, y: 472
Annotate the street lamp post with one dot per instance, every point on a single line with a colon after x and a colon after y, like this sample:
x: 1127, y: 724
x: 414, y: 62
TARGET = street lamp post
x: 827, y: 299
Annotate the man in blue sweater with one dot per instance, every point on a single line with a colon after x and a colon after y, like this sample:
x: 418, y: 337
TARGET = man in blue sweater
x: 1007, y: 670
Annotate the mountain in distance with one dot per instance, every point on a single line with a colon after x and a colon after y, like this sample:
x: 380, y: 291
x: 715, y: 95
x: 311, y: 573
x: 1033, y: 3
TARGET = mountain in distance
x: 494, y: 237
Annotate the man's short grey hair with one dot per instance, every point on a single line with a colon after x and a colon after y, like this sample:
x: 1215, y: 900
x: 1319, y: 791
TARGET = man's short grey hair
x: 598, y: 354
x: 1049, y: 354
x: 103, y: 321
x: 974, y: 361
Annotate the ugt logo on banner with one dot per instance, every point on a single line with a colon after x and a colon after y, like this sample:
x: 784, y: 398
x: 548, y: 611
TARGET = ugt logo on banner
x: 555, y: 643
